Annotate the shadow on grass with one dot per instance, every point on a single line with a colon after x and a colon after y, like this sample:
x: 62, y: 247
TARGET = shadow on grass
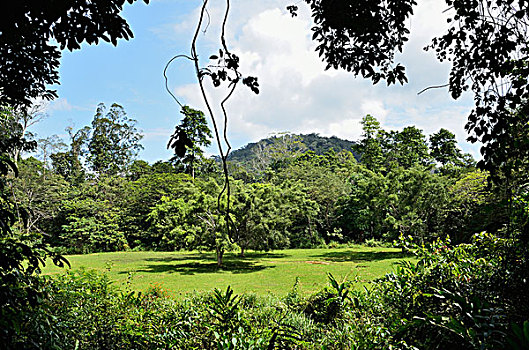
x: 256, y: 255
x: 355, y: 256
x: 192, y: 268
x: 228, y: 257
x: 181, y: 257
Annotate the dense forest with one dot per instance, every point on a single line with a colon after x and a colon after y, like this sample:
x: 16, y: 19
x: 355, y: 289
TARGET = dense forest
x: 91, y: 194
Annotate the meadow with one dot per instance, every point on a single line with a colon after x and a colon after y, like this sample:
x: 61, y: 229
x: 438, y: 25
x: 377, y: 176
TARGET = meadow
x: 274, y: 272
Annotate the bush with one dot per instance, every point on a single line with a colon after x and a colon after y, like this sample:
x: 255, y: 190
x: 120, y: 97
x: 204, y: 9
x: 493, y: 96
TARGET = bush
x: 454, y: 297
x: 374, y: 243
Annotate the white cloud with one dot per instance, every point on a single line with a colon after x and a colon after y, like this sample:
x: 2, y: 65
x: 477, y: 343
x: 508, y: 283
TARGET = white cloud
x: 298, y: 95
x: 156, y: 133
x: 60, y: 105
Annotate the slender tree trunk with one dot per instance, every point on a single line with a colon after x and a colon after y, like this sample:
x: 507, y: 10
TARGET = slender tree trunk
x: 220, y: 254
x: 242, y: 250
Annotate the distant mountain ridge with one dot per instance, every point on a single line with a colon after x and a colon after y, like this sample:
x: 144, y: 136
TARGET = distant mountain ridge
x: 314, y: 142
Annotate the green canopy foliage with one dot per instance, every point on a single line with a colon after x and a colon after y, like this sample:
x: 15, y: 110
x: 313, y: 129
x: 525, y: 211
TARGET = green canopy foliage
x: 188, y: 139
x: 114, y: 141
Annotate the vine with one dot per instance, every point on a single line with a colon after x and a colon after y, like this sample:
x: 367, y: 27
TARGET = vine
x: 224, y: 71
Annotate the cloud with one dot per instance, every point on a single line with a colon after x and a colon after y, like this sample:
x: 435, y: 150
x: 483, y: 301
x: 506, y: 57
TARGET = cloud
x: 61, y: 105
x: 157, y: 133
x: 298, y: 95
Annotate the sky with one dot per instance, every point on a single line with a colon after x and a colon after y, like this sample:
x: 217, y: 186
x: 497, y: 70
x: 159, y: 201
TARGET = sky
x: 297, y: 94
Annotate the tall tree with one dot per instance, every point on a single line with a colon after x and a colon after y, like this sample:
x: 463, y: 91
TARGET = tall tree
x: 114, y: 142
x: 22, y: 119
x: 41, y: 191
x: 370, y: 147
x: 14, y: 138
x: 188, y: 139
x: 69, y: 164
x: 259, y: 212
x: 443, y: 148
x: 48, y: 146
x: 411, y: 147
x: 89, y: 218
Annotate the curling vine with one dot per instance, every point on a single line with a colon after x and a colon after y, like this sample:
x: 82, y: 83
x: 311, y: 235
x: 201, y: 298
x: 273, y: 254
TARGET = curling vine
x: 224, y: 70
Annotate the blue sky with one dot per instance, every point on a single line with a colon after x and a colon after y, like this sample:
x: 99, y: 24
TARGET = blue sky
x: 297, y: 95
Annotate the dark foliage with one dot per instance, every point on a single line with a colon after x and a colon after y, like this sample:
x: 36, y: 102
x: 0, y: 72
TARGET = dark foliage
x: 314, y: 142
x: 22, y: 254
x: 29, y: 59
x: 362, y: 36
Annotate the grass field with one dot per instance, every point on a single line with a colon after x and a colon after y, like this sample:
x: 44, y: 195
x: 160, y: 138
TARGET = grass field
x: 259, y: 272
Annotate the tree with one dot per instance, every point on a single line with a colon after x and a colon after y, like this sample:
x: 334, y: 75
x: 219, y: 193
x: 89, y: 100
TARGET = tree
x: 188, y: 139
x: 382, y: 150
x: 361, y: 214
x: 302, y: 212
x: 443, y: 148
x: 411, y: 147
x: 68, y: 164
x: 22, y: 254
x: 21, y: 120
x: 259, y: 221
x: 143, y: 195
x: 39, y: 190
x: 89, y: 218
x: 172, y: 225
x: 13, y: 136
x: 325, y: 180
x: 114, y: 141
x: 475, y: 206
x: 362, y: 36
x: 48, y: 146
x: 382, y: 206
x: 370, y: 147
x: 275, y: 152
x: 417, y: 199
x: 137, y: 169
x: 31, y: 34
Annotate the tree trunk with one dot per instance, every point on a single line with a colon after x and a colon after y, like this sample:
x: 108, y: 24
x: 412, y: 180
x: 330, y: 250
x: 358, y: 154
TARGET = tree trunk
x: 242, y: 250
x: 220, y: 253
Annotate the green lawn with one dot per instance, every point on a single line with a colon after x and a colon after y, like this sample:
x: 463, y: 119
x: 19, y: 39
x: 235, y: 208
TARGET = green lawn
x: 259, y: 272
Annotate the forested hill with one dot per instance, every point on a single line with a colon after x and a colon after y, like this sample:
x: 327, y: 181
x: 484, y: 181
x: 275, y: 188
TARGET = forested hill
x: 313, y: 142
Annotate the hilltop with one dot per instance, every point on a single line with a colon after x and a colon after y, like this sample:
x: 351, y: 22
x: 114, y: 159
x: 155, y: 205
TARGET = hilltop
x: 306, y: 142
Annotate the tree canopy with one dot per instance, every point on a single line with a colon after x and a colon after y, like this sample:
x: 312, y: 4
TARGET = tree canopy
x: 114, y: 140
x: 32, y: 33
x: 188, y: 138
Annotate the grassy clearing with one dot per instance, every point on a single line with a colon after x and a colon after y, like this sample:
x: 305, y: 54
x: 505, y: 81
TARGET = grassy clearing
x: 259, y: 272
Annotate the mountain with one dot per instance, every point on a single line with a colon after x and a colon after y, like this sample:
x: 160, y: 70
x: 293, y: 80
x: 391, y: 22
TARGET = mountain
x: 313, y: 142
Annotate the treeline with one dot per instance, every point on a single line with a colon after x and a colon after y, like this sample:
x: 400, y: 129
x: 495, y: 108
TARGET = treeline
x: 92, y: 195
